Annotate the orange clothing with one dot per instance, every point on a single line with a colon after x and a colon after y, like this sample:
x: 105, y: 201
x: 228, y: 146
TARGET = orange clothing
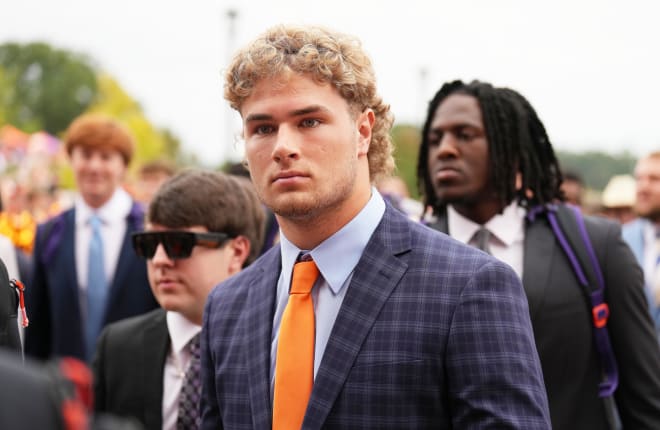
x: 20, y: 228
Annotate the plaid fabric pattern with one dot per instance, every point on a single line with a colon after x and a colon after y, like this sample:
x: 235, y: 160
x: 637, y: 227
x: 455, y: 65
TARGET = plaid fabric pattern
x: 188, y: 417
x: 431, y: 334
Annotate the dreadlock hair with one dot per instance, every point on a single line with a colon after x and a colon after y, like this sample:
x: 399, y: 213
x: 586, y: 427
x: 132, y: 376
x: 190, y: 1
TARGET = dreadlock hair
x: 517, y: 143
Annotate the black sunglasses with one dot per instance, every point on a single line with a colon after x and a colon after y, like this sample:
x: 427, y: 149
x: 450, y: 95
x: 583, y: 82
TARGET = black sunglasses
x: 177, y: 244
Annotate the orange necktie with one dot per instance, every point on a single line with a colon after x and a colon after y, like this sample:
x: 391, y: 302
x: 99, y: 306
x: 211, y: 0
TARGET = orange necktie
x: 294, y: 365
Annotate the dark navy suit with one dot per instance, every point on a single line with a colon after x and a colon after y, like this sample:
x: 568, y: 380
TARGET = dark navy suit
x: 431, y: 334
x: 52, y: 300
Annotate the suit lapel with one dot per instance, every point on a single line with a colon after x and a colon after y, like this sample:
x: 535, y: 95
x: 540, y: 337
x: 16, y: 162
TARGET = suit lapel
x: 155, y: 344
x: 125, y: 260
x: 258, y: 332
x: 66, y: 303
x: 375, y: 276
x: 69, y: 252
x: 538, y: 255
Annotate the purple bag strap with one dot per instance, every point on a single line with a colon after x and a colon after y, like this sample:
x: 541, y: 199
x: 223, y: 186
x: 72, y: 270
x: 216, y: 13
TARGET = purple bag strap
x: 600, y: 309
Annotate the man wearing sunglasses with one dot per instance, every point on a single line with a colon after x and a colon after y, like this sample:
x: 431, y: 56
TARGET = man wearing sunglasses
x: 201, y: 228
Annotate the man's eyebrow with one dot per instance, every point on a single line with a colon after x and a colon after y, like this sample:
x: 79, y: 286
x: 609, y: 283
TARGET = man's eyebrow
x: 258, y: 117
x: 291, y: 114
x: 309, y: 109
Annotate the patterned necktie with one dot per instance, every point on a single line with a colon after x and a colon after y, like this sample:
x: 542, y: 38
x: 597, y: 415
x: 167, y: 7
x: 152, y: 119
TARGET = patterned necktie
x: 191, y: 390
x: 481, y: 239
x: 96, y: 286
x: 294, y: 364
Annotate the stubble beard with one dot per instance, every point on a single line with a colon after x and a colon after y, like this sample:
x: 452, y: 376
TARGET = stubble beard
x: 308, y: 206
x: 652, y: 214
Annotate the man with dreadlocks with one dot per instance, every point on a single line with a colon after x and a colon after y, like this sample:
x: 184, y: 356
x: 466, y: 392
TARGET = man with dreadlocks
x: 485, y: 164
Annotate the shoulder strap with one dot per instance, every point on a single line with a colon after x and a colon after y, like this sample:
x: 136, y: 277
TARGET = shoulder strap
x: 568, y: 226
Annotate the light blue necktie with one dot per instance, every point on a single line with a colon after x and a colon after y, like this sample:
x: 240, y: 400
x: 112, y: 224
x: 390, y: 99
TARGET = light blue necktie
x: 96, y: 286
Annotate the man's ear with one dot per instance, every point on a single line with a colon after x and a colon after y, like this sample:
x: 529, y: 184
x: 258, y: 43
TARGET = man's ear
x: 240, y: 250
x: 365, y: 124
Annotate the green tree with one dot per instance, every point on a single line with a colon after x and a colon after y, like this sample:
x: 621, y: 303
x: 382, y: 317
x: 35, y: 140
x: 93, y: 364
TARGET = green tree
x: 595, y: 167
x: 406, y: 139
x: 43, y: 88
x: 151, y: 142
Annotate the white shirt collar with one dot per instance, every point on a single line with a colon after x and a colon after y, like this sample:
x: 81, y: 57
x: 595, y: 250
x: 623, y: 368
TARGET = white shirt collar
x: 506, y: 227
x: 337, y: 256
x: 181, y: 330
x: 113, y: 211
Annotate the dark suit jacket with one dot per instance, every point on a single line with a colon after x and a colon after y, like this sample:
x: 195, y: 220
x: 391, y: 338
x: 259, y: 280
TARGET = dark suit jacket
x: 52, y: 300
x: 431, y: 334
x: 40, y: 397
x: 28, y: 398
x: 562, y: 325
x: 128, y: 368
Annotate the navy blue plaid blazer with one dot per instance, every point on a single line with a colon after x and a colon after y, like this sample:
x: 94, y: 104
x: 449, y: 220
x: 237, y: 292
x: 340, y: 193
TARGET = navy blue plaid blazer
x: 431, y: 334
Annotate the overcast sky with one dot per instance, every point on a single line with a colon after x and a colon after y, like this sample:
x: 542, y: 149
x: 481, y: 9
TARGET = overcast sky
x: 591, y: 68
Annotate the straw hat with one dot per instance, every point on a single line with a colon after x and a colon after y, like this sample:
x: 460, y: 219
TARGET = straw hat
x: 619, y: 192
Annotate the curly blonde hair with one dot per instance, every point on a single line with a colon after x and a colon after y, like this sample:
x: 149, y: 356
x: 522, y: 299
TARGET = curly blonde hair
x: 327, y: 57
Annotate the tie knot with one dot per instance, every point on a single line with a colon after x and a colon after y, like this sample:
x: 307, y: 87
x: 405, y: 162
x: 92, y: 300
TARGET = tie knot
x: 481, y: 239
x: 304, y: 276
x: 95, y: 221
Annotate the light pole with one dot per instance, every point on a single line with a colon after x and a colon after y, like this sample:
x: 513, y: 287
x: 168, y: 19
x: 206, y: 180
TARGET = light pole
x: 230, y: 133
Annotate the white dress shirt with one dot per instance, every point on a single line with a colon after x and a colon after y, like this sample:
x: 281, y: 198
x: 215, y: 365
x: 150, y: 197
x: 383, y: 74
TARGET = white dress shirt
x: 177, y: 362
x: 113, y: 218
x: 507, y: 234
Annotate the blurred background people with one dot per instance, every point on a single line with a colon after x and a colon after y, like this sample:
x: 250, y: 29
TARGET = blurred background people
x: 573, y: 188
x: 85, y: 272
x: 201, y: 228
x: 150, y: 176
x: 395, y: 191
x: 643, y: 234
x: 30, y: 397
x: 56, y: 395
x: 272, y: 229
x: 16, y: 221
x: 618, y: 198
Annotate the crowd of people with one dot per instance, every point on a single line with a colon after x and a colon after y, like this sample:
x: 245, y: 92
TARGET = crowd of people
x: 315, y: 293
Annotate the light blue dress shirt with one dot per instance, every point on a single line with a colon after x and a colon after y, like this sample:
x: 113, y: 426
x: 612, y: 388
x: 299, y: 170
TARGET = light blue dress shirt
x: 336, y: 257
